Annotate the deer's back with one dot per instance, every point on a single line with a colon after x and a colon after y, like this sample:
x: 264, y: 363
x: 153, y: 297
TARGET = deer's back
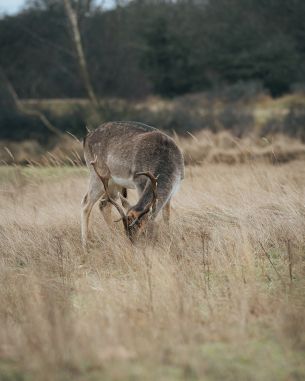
x: 130, y: 147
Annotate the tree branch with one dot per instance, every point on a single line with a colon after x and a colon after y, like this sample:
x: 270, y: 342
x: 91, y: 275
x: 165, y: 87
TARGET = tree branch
x: 20, y: 107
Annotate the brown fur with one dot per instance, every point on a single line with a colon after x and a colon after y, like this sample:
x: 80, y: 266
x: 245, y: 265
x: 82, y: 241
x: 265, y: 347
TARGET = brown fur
x: 121, y: 150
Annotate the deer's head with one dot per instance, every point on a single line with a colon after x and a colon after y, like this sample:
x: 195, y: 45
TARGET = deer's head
x: 135, y: 219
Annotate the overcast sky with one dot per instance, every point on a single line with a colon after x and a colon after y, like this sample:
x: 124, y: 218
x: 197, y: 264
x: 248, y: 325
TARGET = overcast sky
x: 11, y: 6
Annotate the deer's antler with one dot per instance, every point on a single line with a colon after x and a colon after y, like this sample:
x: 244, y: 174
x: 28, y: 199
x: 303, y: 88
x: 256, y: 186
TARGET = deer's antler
x: 124, y: 217
x: 153, y: 202
x: 115, y: 204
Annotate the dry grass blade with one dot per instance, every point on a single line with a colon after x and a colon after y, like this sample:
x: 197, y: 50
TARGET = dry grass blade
x: 272, y: 264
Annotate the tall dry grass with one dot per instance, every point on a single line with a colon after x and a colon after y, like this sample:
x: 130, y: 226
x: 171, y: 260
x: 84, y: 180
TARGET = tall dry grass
x: 223, y: 147
x: 219, y: 294
x: 198, y: 148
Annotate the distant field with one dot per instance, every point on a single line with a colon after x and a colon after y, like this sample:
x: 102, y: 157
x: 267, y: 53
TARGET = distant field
x: 219, y: 294
x: 211, y: 128
x: 263, y: 107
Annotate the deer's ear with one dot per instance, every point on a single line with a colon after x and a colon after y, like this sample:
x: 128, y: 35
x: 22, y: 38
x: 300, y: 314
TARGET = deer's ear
x: 124, y: 202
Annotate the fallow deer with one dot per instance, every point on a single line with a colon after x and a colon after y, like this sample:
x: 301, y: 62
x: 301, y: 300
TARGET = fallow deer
x: 130, y: 155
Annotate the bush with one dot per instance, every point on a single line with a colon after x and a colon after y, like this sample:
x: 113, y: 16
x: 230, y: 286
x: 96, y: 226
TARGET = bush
x: 241, y: 91
x: 237, y: 121
x: 293, y: 124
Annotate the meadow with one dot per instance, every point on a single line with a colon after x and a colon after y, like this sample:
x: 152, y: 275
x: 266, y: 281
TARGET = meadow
x: 217, y: 294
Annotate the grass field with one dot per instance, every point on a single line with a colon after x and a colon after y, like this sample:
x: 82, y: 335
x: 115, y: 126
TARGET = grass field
x: 217, y: 295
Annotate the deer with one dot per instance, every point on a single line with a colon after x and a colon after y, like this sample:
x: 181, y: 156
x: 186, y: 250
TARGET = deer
x: 130, y: 155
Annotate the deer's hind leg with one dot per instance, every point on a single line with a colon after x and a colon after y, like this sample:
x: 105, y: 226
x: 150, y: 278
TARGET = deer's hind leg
x: 91, y: 197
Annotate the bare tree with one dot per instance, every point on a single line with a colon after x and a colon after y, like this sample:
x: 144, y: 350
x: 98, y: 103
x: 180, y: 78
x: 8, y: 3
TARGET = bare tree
x: 73, y: 20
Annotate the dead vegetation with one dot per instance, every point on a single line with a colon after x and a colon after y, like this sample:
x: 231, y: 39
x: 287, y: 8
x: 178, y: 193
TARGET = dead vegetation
x: 219, y: 294
x: 223, y: 147
x: 201, y: 147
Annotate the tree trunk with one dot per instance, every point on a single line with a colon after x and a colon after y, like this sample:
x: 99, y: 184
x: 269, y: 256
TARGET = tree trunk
x: 71, y: 14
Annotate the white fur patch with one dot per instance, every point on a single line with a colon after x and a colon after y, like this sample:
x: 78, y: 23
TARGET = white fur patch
x: 126, y: 183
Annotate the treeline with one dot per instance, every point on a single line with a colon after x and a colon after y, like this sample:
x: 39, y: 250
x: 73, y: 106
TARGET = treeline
x: 154, y: 47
